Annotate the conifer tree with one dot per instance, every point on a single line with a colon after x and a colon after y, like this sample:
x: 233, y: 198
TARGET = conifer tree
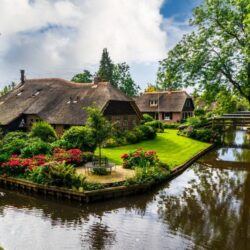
x: 105, y: 72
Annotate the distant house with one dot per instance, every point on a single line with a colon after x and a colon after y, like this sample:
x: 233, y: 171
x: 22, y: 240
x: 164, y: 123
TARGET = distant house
x: 167, y: 106
x: 61, y: 103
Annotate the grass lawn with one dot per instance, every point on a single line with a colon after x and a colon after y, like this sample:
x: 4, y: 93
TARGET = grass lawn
x: 171, y: 148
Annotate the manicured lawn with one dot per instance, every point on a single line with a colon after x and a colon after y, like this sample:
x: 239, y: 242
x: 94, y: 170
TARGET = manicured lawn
x: 171, y: 148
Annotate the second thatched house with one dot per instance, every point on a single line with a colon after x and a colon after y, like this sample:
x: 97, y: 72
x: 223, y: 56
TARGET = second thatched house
x: 61, y: 103
x: 167, y: 106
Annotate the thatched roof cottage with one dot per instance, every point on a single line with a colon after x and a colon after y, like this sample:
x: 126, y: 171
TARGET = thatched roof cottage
x: 61, y: 103
x: 167, y: 106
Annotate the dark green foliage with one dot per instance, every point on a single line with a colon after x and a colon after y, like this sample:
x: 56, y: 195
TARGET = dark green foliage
x: 196, y: 121
x: 147, y: 175
x: 57, y: 174
x: 147, y: 118
x: 38, y: 175
x: 85, y: 77
x: 100, y: 171
x: 149, y: 132
x: 44, y: 131
x: 13, y: 147
x: 61, y: 143
x: 15, y: 136
x: 208, y: 56
x: 171, y: 125
x: 105, y: 72
x: 131, y: 137
x: 80, y: 137
x: 4, y: 158
x: 199, y: 112
x: 203, y: 134
x: 123, y: 80
x: 157, y: 125
x: 35, y: 146
x: 100, y: 125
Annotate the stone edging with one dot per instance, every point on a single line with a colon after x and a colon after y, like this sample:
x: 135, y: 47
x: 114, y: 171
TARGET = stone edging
x: 95, y: 195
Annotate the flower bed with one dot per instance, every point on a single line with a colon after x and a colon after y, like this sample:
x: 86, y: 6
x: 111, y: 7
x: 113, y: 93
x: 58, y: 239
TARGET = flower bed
x: 140, y: 158
x: 16, y: 165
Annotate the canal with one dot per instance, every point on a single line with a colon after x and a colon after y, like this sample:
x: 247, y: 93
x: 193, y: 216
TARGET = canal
x: 206, y: 207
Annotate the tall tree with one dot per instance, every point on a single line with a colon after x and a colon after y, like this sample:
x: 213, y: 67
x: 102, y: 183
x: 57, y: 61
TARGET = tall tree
x: 123, y: 79
x: 100, y: 125
x: 84, y: 77
x: 105, y: 72
x: 216, y: 53
x: 7, y: 89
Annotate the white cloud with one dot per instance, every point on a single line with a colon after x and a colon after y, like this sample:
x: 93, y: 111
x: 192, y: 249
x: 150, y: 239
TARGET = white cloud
x: 62, y: 37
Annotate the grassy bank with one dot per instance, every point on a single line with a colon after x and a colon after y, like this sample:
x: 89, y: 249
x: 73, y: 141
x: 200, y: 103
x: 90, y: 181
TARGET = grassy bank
x: 171, y: 148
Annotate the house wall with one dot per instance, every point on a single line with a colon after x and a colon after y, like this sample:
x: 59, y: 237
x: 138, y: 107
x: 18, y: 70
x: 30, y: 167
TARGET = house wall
x: 59, y: 129
x: 124, y: 121
x: 123, y: 113
x: 175, y: 116
x: 30, y: 119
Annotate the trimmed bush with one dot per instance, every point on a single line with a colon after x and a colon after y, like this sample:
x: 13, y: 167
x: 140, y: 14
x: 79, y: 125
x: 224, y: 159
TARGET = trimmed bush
x: 61, y: 144
x: 80, y: 137
x: 13, y: 147
x: 148, y: 132
x: 57, y: 174
x: 44, y: 131
x: 171, y: 125
x: 35, y: 146
x: 131, y: 137
x: 156, y: 125
x: 147, y: 118
x: 11, y: 136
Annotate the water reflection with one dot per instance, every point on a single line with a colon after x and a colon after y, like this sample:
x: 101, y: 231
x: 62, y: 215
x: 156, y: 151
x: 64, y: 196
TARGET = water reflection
x: 213, y: 209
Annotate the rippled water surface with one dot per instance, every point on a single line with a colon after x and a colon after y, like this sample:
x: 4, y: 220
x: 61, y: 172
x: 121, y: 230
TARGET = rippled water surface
x: 207, y: 207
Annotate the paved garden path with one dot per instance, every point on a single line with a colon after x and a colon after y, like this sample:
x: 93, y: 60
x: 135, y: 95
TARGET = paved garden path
x: 118, y: 174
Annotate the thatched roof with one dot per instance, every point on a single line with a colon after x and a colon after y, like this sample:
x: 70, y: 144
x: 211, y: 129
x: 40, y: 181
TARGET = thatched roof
x: 169, y: 101
x: 57, y: 101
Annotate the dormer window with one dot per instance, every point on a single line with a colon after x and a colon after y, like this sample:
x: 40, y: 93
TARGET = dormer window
x: 37, y: 92
x: 19, y: 94
x: 73, y: 101
x: 153, y: 103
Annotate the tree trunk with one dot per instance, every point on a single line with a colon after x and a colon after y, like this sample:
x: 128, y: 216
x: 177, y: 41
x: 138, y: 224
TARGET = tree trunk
x: 100, y: 155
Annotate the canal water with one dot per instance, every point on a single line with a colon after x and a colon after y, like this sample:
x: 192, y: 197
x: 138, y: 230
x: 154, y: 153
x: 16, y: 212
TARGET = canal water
x: 206, y: 207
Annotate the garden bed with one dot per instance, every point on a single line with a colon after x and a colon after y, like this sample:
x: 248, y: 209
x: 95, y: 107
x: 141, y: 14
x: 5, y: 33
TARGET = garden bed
x: 101, y: 194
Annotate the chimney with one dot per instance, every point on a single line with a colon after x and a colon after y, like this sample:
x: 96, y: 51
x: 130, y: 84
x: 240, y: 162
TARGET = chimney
x: 22, y: 71
x: 96, y: 79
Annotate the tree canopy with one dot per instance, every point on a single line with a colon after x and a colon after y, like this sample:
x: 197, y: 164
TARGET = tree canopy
x: 123, y: 79
x: 117, y: 74
x: 84, y: 77
x: 105, y: 72
x: 216, y: 54
x: 7, y: 89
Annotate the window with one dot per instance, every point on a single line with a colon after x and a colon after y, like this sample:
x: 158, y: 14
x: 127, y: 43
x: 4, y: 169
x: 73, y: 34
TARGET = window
x: 167, y: 116
x: 20, y: 93
x: 153, y: 103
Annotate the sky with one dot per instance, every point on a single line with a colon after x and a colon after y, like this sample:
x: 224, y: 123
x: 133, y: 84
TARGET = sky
x: 60, y: 38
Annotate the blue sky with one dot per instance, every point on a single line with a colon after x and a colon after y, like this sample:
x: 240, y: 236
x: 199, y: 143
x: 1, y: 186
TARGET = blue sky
x: 59, y: 38
x: 179, y: 9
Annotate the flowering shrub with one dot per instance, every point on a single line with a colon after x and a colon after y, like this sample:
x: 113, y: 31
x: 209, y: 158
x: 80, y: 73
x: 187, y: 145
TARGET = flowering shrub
x: 140, y: 158
x: 72, y: 156
x: 19, y: 166
x: 16, y: 165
